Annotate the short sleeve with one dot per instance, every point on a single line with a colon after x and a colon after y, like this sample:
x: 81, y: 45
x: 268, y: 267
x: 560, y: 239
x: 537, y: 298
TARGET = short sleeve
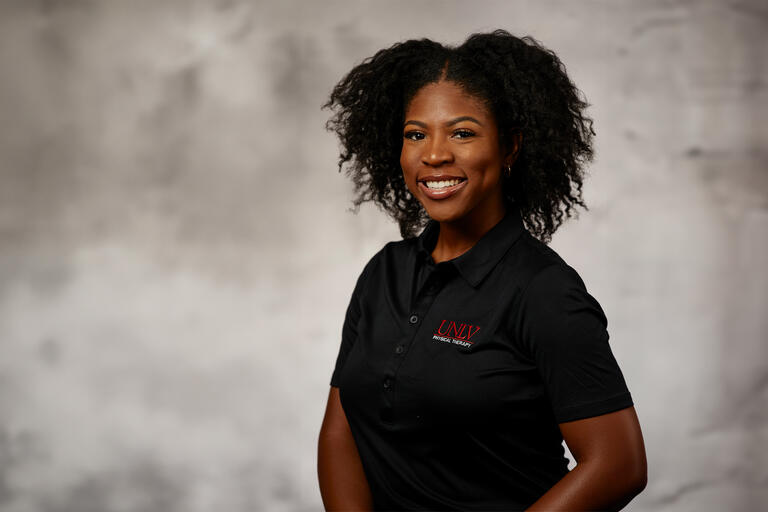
x: 565, y: 330
x: 349, y: 329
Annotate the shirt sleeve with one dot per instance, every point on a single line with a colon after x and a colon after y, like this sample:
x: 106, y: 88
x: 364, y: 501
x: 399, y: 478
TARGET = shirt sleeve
x: 565, y: 330
x: 349, y: 329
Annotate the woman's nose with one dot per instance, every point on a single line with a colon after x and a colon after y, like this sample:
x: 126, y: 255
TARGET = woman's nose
x: 437, y: 152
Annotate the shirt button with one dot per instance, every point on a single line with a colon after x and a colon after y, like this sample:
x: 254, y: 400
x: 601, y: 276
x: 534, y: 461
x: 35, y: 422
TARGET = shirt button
x: 413, y: 319
x: 387, y: 383
x: 399, y: 349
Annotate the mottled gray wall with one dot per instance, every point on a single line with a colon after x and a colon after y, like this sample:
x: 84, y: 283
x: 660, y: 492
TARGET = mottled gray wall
x: 177, y: 253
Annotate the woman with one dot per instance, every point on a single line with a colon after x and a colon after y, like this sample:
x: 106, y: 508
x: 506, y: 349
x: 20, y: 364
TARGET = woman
x: 471, y: 351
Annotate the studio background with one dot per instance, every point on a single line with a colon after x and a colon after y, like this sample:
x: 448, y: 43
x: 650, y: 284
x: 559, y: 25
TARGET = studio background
x: 176, y: 253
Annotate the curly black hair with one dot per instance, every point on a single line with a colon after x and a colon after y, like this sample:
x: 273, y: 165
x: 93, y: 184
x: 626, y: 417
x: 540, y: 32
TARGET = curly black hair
x: 523, y: 84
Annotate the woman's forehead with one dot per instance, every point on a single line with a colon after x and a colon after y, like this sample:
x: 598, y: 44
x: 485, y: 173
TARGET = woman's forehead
x: 446, y: 98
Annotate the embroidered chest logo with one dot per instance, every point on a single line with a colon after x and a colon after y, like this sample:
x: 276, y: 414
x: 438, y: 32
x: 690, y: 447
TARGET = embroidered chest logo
x: 456, y: 333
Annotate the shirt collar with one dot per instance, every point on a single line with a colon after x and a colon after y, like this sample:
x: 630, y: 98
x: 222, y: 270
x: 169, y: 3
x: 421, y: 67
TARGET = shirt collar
x: 478, y: 261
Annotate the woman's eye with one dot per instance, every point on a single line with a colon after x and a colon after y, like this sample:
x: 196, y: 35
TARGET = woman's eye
x: 413, y: 135
x: 463, y: 134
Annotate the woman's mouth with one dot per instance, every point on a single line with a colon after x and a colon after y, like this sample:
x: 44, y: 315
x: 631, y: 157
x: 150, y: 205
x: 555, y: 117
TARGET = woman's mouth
x: 441, y: 189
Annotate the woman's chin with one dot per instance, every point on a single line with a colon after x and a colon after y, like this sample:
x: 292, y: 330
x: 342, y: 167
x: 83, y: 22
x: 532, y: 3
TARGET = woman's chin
x: 443, y: 214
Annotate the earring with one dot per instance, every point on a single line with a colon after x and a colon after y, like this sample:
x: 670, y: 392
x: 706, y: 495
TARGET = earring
x: 508, y: 171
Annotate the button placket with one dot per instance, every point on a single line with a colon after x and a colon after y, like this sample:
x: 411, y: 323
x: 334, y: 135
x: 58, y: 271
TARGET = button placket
x: 423, y: 302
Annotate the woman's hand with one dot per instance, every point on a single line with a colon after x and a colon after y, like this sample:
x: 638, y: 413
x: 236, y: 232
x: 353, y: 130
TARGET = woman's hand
x: 343, y: 485
x: 611, y: 467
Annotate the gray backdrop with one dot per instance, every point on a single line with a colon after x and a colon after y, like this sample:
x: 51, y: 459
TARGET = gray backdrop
x: 177, y: 253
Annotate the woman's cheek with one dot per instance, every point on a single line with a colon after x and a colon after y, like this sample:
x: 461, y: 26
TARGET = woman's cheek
x: 408, y: 175
x: 412, y: 185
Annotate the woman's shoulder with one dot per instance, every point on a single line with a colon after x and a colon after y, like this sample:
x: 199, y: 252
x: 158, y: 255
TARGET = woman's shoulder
x: 396, y: 250
x: 533, y: 255
x: 538, y: 264
x: 393, y: 254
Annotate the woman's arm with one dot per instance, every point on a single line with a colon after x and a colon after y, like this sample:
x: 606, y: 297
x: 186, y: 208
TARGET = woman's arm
x: 611, y: 467
x: 342, y: 481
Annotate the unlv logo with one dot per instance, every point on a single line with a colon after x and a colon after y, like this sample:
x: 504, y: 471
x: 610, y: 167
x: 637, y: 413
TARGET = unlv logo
x: 456, y: 333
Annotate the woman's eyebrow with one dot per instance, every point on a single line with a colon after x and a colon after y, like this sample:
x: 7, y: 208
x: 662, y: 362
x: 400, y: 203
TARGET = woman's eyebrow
x: 417, y: 123
x: 449, y: 123
x: 463, y: 118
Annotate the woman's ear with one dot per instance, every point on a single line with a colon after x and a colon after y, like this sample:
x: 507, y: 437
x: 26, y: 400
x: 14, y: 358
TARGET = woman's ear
x: 513, y: 147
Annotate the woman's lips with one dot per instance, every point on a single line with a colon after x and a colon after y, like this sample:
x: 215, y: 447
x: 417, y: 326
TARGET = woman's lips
x: 441, y: 193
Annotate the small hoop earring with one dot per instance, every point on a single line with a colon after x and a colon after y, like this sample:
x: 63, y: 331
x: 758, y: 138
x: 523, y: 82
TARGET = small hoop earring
x: 508, y: 171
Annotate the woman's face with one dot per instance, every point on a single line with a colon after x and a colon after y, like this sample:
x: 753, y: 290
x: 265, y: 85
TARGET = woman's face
x: 451, y: 157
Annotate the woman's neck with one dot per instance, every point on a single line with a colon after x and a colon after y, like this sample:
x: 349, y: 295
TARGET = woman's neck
x: 457, y: 237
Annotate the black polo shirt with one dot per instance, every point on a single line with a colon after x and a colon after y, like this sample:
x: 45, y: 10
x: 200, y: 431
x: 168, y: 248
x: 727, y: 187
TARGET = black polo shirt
x: 454, y: 376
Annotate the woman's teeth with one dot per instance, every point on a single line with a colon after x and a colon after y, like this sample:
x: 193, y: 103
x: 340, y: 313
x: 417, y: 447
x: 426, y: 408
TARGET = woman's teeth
x: 437, y: 185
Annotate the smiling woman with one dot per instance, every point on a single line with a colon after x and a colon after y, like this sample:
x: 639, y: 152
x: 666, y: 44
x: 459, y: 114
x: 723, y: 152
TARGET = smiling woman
x: 451, y: 150
x: 471, y: 351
